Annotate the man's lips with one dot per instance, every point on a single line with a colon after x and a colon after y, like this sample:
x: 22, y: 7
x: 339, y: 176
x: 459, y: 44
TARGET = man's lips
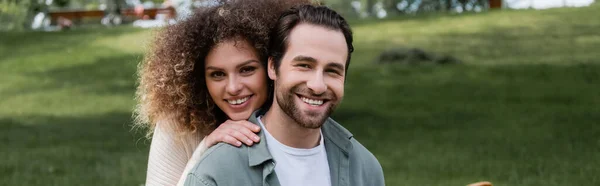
x: 312, y: 100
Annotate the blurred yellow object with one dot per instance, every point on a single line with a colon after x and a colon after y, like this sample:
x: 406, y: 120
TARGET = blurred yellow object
x: 483, y: 183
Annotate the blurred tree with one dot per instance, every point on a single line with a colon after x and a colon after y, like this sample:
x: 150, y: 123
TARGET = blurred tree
x: 343, y: 7
x: 15, y: 14
x: 61, y: 3
x: 430, y: 6
x: 369, y: 6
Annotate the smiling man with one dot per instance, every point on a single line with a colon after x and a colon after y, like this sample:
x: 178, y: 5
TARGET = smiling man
x: 309, y: 56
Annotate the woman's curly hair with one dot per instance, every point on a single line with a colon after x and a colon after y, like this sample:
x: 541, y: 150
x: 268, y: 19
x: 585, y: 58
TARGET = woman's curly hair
x: 171, y: 76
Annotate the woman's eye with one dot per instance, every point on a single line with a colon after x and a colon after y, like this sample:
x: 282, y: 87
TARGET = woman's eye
x: 247, y: 70
x: 217, y: 75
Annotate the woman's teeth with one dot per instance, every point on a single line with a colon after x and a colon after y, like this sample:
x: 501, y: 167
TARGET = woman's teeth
x: 312, y: 101
x: 238, y: 101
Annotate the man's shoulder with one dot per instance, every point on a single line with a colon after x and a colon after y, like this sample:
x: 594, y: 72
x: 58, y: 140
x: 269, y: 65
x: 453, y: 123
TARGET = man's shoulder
x: 220, y: 162
x: 362, y: 153
x: 367, y: 168
x: 222, y: 157
x: 361, y: 157
x: 340, y: 132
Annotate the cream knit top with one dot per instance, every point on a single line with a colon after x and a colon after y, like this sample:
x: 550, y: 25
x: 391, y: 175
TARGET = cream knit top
x: 172, y: 154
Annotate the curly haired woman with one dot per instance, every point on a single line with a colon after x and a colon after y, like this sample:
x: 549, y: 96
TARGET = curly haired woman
x: 201, y: 80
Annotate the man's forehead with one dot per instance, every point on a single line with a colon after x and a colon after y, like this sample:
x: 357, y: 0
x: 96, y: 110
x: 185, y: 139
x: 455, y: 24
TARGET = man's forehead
x: 313, y: 31
x: 318, y: 42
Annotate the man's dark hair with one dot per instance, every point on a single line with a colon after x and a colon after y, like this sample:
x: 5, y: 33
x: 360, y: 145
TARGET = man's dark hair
x: 311, y: 14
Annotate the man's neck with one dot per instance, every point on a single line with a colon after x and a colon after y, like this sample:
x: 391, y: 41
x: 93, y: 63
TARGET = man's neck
x: 289, y: 132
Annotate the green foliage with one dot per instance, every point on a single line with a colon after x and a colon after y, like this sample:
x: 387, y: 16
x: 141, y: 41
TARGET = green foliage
x: 61, y: 3
x: 341, y: 6
x: 14, y: 14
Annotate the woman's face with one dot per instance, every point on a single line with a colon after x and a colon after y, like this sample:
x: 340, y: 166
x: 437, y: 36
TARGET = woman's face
x: 235, y: 78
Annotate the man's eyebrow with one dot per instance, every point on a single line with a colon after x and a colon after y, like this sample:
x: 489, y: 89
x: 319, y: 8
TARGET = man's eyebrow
x: 305, y: 58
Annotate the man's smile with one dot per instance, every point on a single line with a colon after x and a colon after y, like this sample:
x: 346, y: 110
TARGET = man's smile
x: 315, y: 102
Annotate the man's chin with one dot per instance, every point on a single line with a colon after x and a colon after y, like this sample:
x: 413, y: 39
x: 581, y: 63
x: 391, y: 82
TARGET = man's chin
x: 311, y: 120
x: 311, y: 125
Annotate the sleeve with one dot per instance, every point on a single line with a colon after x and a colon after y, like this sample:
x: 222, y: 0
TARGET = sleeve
x: 169, y: 155
x: 193, y: 161
x: 193, y: 180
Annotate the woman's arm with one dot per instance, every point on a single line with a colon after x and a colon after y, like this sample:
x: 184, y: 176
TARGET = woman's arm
x: 192, y: 162
x: 232, y: 132
x: 173, y: 153
x: 170, y: 151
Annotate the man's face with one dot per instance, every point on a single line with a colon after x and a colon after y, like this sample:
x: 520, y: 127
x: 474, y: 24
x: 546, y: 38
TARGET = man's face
x: 309, y: 83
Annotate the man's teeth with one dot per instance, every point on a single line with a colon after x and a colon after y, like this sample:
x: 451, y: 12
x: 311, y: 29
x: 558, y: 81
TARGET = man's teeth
x: 312, y: 101
x: 238, y: 101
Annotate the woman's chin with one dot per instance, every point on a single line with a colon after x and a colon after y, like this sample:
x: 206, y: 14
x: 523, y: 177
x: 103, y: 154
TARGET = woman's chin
x: 239, y: 116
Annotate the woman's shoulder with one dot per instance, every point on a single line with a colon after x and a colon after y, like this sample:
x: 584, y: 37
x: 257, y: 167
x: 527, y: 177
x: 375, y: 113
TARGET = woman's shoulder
x: 169, y: 131
x: 171, y: 126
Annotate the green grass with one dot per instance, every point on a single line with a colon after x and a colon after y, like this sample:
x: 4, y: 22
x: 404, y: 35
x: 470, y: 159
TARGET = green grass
x: 66, y: 101
x: 521, y: 110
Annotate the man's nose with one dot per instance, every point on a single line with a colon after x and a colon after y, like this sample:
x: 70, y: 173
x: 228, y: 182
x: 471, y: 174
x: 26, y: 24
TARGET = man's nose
x: 317, y: 84
x: 234, y: 86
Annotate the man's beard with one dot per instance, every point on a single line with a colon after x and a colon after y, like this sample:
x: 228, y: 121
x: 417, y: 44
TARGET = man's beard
x: 306, y: 119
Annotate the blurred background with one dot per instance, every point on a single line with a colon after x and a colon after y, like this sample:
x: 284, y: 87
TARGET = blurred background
x: 443, y: 92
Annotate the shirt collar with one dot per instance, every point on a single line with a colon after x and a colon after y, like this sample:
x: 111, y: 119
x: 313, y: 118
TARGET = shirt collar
x: 337, y: 134
x: 259, y: 152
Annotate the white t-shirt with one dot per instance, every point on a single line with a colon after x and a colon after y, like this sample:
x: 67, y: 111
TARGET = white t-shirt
x: 299, y: 167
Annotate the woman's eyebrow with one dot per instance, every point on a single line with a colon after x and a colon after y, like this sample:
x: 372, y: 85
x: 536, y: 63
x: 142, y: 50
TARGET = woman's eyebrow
x: 213, y: 68
x: 247, y: 62
x: 237, y: 66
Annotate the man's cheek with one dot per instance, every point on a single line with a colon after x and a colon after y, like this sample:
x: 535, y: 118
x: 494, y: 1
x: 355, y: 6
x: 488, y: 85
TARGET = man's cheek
x: 295, y: 77
x: 337, y: 86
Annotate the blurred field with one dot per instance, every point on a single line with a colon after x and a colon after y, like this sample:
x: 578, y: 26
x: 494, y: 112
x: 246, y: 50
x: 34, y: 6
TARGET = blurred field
x: 522, y: 110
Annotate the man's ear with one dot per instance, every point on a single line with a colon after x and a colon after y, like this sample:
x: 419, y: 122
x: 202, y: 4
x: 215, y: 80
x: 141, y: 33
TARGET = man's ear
x: 272, y: 72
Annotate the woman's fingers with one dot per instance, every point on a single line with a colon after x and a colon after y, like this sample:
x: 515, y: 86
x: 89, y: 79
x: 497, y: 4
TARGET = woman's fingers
x: 250, y: 130
x: 239, y: 136
x: 253, y: 127
x: 222, y: 134
x: 234, y: 133
x: 247, y: 129
x: 231, y: 140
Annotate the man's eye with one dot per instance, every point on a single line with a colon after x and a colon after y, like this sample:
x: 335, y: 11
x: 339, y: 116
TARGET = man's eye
x: 303, y: 65
x: 217, y: 74
x: 336, y: 72
x: 247, y: 70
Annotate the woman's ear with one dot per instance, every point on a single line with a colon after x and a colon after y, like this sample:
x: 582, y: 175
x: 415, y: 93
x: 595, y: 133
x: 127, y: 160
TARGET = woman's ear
x: 272, y: 72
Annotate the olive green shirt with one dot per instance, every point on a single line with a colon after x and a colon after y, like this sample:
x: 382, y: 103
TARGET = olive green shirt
x: 350, y: 163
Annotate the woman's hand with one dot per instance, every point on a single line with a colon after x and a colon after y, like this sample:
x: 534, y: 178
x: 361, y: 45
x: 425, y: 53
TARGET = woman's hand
x: 234, y: 133
x: 483, y: 183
